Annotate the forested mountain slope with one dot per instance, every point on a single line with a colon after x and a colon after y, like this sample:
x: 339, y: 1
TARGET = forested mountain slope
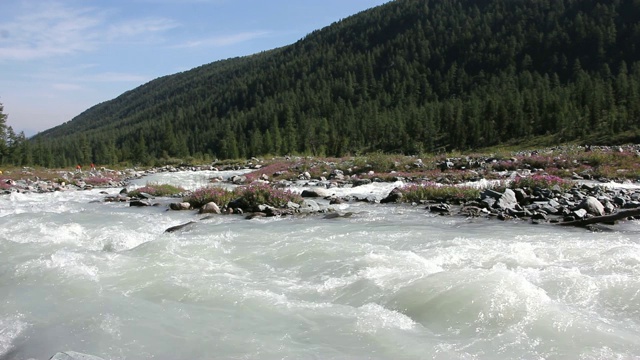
x: 408, y: 76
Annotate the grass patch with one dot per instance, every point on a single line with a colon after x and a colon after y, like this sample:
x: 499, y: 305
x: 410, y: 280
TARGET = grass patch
x: 437, y: 192
x: 158, y: 190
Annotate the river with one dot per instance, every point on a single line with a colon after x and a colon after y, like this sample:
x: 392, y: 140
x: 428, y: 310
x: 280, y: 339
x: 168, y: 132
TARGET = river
x: 390, y: 282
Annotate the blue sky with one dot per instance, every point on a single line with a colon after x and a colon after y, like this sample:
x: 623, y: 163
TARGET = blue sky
x: 58, y: 58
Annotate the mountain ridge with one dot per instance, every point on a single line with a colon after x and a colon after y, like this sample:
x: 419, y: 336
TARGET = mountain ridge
x: 407, y: 76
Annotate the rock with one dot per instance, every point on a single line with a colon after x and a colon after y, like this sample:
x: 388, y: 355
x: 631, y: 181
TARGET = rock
x: 394, y: 196
x: 336, y: 201
x: 580, y: 213
x: 593, y: 206
x: 72, y: 355
x: 180, y: 206
x: 337, y: 215
x: 292, y: 206
x: 472, y: 211
x: 539, y: 216
x: 253, y: 215
x: 144, y: 195
x: 521, y: 196
x: 507, y: 200
x: 178, y: 227
x: 488, y: 193
x: 360, y: 182
x: 316, y: 192
x: 440, y: 208
x: 139, y: 203
x: 210, y: 208
x: 238, y: 179
x: 309, y: 206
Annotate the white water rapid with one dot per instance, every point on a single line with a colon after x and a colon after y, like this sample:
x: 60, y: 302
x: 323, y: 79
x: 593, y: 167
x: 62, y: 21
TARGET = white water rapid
x: 390, y: 282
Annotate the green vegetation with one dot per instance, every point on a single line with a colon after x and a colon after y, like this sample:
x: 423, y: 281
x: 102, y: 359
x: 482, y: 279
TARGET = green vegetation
x: 541, y: 182
x: 410, y: 76
x: 438, y: 192
x: 158, y: 190
x: 251, y: 195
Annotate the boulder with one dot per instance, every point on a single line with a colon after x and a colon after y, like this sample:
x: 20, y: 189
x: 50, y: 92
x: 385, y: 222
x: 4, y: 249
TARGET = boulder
x: 440, y: 208
x: 210, y: 208
x: 309, y: 206
x: 507, y: 200
x: 238, y: 179
x: 593, y: 206
x: 315, y: 192
x: 139, y: 203
x: 180, y: 206
x: 179, y: 227
x: 394, y: 196
x: 580, y: 213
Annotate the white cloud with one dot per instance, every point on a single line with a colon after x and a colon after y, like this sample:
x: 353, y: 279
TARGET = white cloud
x: 132, y: 29
x: 115, y: 77
x: 66, y: 87
x: 51, y: 29
x: 224, y: 40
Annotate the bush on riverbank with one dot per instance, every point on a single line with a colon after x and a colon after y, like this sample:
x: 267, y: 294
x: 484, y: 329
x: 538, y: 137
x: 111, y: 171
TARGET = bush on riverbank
x: 158, y: 190
x: 252, y: 195
x: 541, y: 182
x: 438, y: 192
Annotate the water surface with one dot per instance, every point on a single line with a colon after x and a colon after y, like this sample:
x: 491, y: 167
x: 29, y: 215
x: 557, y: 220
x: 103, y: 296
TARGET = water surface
x: 390, y: 282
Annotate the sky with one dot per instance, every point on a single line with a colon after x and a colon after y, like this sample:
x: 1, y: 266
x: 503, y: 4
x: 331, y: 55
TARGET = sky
x: 59, y: 58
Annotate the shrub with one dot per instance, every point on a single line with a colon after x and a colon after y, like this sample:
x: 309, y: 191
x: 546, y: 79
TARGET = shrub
x: 253, y: 195
x: 158, y: 190
x: 259, y: 193
x: 208, y: 194
x: 541, y: 182
x: 433, y: 191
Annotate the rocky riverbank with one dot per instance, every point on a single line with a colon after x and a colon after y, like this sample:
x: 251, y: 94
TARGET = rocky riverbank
x: 472, y: 185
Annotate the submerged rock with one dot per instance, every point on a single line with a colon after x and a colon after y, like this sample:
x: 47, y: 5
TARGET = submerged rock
x: 72, y: 355
x: 178, y: 227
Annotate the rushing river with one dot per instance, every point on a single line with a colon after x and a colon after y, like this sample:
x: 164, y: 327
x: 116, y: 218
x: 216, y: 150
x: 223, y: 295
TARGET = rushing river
x: 390, y: 282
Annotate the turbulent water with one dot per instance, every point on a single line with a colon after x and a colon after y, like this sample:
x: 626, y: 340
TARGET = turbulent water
x: 390, y: 282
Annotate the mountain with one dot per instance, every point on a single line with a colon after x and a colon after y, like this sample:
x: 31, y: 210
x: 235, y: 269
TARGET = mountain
x: 408, y: 76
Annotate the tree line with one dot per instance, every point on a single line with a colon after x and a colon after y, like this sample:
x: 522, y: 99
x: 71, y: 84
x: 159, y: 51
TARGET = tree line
x: 410, y: 76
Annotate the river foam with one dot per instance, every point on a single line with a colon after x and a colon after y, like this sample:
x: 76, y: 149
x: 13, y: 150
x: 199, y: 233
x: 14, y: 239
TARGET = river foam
x: 391, y: 281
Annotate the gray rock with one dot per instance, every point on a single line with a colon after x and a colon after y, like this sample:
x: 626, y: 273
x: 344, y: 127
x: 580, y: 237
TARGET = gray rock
x: 210, y: 208
x: 580, y: 213
x: 507, y: 200
x: 440, y: 208
x: 309, y: 206
x: 180, y: 206
x: 179, y: 227
x: 72, y: 355
x: 593, y: 206
x: 139, y: 203
x: 238, y: 179
x: 394, y: 196
x: 488, y: 193
x: 314, y: 193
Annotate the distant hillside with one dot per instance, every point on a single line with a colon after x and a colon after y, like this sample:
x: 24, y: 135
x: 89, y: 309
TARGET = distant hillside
x: 408, y: 76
